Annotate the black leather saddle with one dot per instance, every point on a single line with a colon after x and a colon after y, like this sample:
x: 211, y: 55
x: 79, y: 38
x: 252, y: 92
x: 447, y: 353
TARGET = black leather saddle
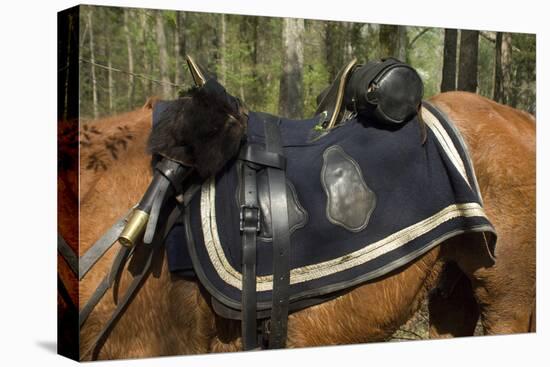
x: 300, y: 217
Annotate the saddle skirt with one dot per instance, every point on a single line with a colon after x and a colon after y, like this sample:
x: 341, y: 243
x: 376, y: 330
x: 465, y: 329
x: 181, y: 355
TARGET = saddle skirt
x: 363, y: 200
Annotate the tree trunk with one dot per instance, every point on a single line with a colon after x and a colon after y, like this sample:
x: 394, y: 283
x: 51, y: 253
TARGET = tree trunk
x: 403, y: 41
x: 389, y: 40
x: 348, y: 46
x: 358, y: 42
x: 183, y: 32
x: 506, y: 65
x: 163, y: 56
x: 213, y: 50
x: 146, y: 64
x: 68, y: 29
x: 92, y: 65
x: 131, y: 88
x: 257, y: 85
x: 223, y: 66
x: 177, y: 60
x: 110, y: 81
x: 290, y: 96
x: 448, y: 77
x: 467, y: 67
x: 497, y: 82
x: 335, y: 47
x: 393, y: 41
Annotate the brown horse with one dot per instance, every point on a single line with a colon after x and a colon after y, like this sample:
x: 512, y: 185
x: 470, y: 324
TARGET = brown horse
x: 172, y: 315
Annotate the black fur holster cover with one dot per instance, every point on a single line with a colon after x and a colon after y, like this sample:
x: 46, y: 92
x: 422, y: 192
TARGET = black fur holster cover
x: 202, y: 129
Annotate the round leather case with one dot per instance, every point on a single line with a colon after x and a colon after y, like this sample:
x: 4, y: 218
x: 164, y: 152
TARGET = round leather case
x: 389, y: 89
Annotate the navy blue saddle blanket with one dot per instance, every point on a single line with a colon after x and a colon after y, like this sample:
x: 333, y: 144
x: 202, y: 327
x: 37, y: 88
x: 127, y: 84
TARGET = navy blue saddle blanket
x: 362, y: 200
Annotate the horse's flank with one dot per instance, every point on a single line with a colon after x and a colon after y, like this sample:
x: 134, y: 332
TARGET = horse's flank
x: 502, y: 143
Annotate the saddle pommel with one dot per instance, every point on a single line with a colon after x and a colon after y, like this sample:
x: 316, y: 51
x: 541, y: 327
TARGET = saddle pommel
x: 134, y: 229
x: 197, y: 73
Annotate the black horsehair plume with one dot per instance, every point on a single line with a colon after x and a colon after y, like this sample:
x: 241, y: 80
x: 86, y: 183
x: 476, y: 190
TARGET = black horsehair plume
x: 201, y: 130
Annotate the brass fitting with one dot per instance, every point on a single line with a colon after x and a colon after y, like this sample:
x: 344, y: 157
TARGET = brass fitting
x: 196, y: 73
x: 135, y: 226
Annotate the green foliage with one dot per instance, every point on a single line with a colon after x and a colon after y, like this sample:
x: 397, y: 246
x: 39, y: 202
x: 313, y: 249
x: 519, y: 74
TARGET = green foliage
x: 315, y: 76
x: 316, y: 73
x: 426, y: 55
x: 486, y: 67
x: 524, y: 71
x: 246, y: 55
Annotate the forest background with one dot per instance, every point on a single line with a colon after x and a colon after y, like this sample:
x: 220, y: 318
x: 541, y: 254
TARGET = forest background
x: 280, y: 65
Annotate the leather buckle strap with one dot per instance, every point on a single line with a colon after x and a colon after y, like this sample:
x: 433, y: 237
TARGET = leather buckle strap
x: 281, y: 240
x: 250, y: 227
x: 174, y: 172
x: 256, y: 154
x: 249, y: 218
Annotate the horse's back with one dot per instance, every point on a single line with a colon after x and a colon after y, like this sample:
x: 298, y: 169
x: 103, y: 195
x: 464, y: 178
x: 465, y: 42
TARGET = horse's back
x: 111, y: 140
x: 501, y: 139
x: 502, y: 144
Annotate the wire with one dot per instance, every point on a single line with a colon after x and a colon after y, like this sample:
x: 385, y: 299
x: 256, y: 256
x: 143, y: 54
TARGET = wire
x: 141, y: 76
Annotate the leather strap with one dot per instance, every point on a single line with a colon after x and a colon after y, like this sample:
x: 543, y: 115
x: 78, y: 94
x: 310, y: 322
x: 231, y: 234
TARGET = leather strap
x: 100, y: 247
x: 155, y: 210
x: 67, y: 253
x: 62, y: 289
x: 116, y: 270
x: 169, y: 175
x: 106, y: 283
x: 128, y: 296
x: 281, y: 239
x: 134, y: 286
x: 250, y: 226
x: 256, y: 154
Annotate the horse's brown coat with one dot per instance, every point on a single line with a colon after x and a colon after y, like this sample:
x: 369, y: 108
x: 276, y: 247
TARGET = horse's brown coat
x: 172, y: 316
x: 503, y: 147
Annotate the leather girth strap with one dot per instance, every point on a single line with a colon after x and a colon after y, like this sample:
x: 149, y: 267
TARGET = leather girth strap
x: 249, y: 226
x: 273, y: 161
x: 281, y: 239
